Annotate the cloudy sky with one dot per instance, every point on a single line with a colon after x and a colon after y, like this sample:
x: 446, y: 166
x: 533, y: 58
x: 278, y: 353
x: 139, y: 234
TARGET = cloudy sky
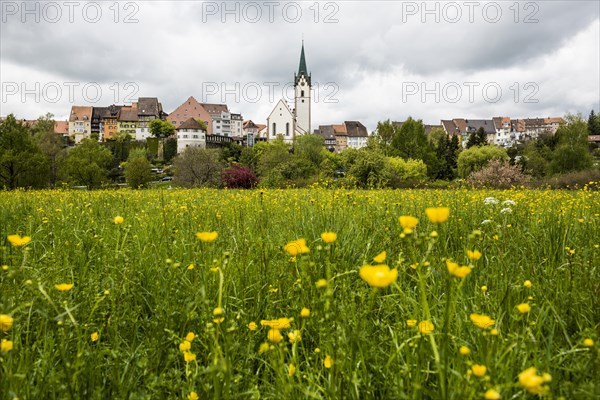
x: 370, y: 61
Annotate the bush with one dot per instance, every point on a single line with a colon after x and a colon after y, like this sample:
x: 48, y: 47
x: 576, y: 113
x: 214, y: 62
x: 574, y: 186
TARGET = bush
x: 574, y: 180
x: 239, y: 177
x: 499, y: 175
x: 404, y: 173
x: 476, y: 158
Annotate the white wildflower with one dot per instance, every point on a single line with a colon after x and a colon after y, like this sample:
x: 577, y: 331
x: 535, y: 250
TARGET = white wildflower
x: 490, y: 200
x: 506, y: 210
x: 508, y: 203
x: 486, y: 221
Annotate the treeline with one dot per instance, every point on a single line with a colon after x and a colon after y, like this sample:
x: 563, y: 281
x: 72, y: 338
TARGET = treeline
x: 395, y: 157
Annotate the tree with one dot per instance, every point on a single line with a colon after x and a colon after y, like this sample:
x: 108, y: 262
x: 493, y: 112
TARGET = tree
x: 138, y: 170
x: 21, y: 162
x: 309, y: 147
x: 368, y: 169
x: 593, y: 124
x: 402, y: 173
x: 51, y: 145
x: 384, y: 134
x: 231, y: 152
x: 202, y: 124
x: 410, y: 142
x: 271, y: 155
x: 479, y: 138
x: 476, y: 158
x: 239, y: 177
x: 198, y: 167
x: 88, y: 163
x: 161, y: 129
x: 571, y: 152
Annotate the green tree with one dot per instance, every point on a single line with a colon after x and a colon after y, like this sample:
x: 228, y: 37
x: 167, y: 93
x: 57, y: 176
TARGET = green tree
x: 231, y: 152
x: 384, y: 134
x: 476, y: 158
x: 51, y: 145
x: 368, y: 169
x: 410, y: 142
x: 161, y: 128
x: 21, y: 162
x: 138, y: 170
x: 202, y: 124
x: 400, y: 172
x: 198, y: 167
x: 88, y: 163
x: 170, y: 149
x: 571, y: 152
x: 478, y: 138
x: 271, y: 155
x: 593, y: 124
x: 310, y: 148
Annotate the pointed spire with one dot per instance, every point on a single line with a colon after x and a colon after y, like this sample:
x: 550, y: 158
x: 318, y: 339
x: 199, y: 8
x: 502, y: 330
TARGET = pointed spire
x: 302, y: 69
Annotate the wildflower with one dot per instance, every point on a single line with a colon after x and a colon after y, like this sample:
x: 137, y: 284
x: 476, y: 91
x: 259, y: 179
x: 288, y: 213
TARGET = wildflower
x: 218, y: 311
x: 18, y: 241
x: 486, y: 221
x: 524, y: 308
x: 190, y: 336
x: 474, y: 255
x: 189, y: 357
x: 482, y: 321
x: 291, y: 370
x: 378, y: 276
x: 464, y: 351
x: 438, y: 215
x: 508, y: 203
x: 408, y: 222
x: 479, y: 370
x: 527, y: 284
x: 193, y: 396
x: 305, y: 313
x: 411, y: 323
x: 328, y: 362
x: 317, y: 350
x: 321, y: 283
x: 119, y: 220
x: 433, y: 234
x: 264, y: 347
x: 492, y: 394
x: 94, y: 337
x: 494, y: 332
x: 296, y: 247
x: 490, y: 200
x: 207, y: 237
x: 532, y: 382
x: 380, y: 258
x: 426, y: 327
x: 274, y: 336
x: 329, y: 237
x: 506, y: 210
x: 294, y: 336
x: 6, y: 322
x: 6, y: 346
x: 252, y: 326
x: 281, y: 323
x: 455, y: 270
x: 64, y: 287
x: 184, y: 346
x: 484, y: 288
x: 190, y: 267
x: 588, y: 342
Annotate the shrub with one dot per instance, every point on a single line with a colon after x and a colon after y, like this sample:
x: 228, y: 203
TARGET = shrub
x: 499, y: 175
x: 403, y: 173
x: 476, y: 158
x: 239, y: 177
x: 575, y: 180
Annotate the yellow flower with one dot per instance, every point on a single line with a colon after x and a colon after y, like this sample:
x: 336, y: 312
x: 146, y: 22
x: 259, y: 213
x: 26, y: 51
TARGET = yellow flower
x: 296, y: 247
x: 218, y: 311
x: 119, y: 220
x: 378, y: 276
x: 588, y: 342
x: 274, y: 335
x: 479, y: 370
x: 218, y: 320
x: 482, y: 321
x: 207, y: 237
x: 64, y: 287
x: 190, y: 336
x: 438, y: 215
x: 305, y: 313
x: 527, y: 284
x: 291, y: 370
x: 252, y: 326
x: 492, y: 394
x: 94, y: 336
x: 524, y: 308
x: 6, y: 322
x: 264, y: 347
x: 329, y: 237
x: 464, y: 350
x: 281, y: 323
x: 193, y: 396
x: 408, y: 222
x: 6, y: 346
x: 184, y: 346
x: 484, y: 288
x: 380, y: 258
x: 433, y: 234
x: 18, y: 241
x: 189, y: 357
x: 321, y: 283
x: 328, y: 362
x: 190, y: 267
x: 474, y: 255
x: 426, y: 327
x: 532, y: 382
x: 411, y: 323
x: 455, y: 270
x: 294, y: 336
x: 494, y: 332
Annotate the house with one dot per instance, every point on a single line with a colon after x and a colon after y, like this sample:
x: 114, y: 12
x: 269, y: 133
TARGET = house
x: 148, y: 109
x: 191, y: 108
x: 61, y: 128
x: 466, y: 127
x: 237, y: 123
x: 357, y: 134
x: 250, y: 132
x: 80, y: 123
x: 280, y: 122
x: 326, y: 131
x: 350, y: 134
x: 97, y: 125
x: 190, y: 134
x: 504, y: 134
x: 341, y: 137
x: 127, y: 120
x: 110, y: 124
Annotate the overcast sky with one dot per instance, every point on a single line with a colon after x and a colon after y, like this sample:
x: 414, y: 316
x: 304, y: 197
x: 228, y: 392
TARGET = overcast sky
x: 369, y: 61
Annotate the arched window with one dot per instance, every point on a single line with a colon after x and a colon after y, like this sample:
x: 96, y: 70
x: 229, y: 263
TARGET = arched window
x: 274, y: 129
x: 287, y: 129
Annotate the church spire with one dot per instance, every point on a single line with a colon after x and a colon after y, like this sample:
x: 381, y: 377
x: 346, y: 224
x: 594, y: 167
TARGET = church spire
x: 302, y: 69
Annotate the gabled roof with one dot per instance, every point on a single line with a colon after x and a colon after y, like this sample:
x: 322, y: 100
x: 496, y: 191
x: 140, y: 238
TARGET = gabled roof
x: 215, y: 109
x: 340, y: 130
x: 249, y: 124
x: 356, y: 129
x: 284, y: 107
x: 190, y: 123
x: 149, y: 106
x: 555, y: 120
x: 326, y: 131
x: 129, y: 114
x: 61, y: 127
x: 99, y: 112
x: 80, y: 113
x: 486, y: 124
x: 499, y: 122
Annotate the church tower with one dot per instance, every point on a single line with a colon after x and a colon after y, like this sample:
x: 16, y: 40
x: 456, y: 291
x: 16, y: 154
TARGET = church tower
x: 302, y: 98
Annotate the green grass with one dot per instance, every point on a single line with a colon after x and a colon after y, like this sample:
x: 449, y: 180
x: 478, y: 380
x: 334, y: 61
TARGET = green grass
x: 133, y: 286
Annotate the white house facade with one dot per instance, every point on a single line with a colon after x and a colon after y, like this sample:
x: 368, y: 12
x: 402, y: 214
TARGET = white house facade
x: 190, y: 134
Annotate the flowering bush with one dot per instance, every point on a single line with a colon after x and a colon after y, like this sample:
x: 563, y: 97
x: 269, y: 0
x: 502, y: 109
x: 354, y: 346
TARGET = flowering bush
x: 499, y: 175
x: 239, y: 177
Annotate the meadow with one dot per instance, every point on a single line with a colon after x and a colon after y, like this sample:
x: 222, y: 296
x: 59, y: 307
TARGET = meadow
x: 323, y: 294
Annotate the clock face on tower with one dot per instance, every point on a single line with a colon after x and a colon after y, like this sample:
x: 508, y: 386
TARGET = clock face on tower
x: 302, y: 83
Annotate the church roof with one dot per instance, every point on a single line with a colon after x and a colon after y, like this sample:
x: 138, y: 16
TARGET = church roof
x: 302, y: 68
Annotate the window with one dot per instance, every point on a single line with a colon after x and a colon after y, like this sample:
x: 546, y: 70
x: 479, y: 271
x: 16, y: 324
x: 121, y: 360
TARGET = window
x: 287, y: 129
x: 195, y: 136
x: 274, y: 130
x: 302, y: 93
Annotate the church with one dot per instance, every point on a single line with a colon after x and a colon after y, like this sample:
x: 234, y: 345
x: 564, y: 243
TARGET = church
x: 285, y: 122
